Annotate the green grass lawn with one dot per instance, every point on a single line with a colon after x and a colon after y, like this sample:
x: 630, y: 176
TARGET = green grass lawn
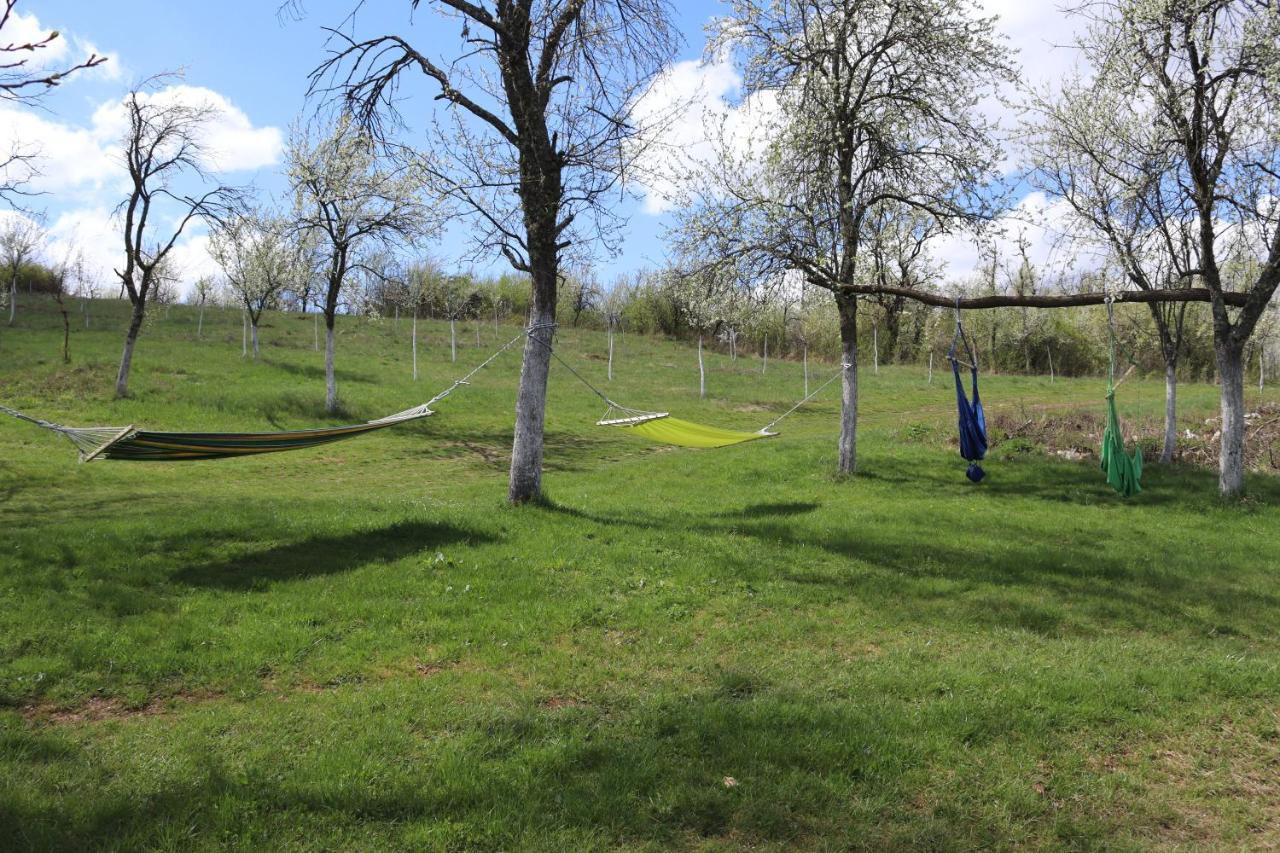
x: 362, y: 647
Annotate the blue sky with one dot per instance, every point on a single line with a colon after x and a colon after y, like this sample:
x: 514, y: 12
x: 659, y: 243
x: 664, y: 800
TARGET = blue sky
x: 255, y: 65
x: 241, y: 50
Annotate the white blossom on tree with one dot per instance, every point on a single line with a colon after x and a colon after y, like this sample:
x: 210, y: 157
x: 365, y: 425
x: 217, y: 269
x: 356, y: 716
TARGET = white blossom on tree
x: 352, y: 200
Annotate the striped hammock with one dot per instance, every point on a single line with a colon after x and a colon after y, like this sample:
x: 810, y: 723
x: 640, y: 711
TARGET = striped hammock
x: 138, y: 445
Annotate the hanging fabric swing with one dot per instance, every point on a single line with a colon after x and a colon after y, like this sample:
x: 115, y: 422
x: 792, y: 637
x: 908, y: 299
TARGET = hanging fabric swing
x: 128, y: 443
x: 1124, y: 472
x: 972, y: 419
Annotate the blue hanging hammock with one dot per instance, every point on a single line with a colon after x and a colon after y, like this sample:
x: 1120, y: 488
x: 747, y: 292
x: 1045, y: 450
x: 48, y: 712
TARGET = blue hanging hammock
x: 972, y: 420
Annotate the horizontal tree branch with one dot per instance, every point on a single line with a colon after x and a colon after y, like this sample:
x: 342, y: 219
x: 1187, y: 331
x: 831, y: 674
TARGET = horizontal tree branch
x: 1064, y: 300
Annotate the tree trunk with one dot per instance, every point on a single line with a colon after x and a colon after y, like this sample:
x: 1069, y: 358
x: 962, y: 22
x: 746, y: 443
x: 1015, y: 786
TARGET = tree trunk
x: 525, y: 483
x: 764, y: 361
x: 200, y: 323
x: 316, y: 326
x: 330, y: 381
x: 66, y: 330
x: 1230, y: 363
x: 1170, y: 412
x: 253, y: 334
x: 875, y: 349
x: 1048, y: 351
x: 453, y: 341
x: 414, y: 339
x: 126, y: 358
x: 848, y: 449
x: 930, y: 367
x: 702, y: 371
x: 892, y: 329
x: 13, y: 299
x: 610, y: 352
x: 804, y: 357
x: 244, y: 335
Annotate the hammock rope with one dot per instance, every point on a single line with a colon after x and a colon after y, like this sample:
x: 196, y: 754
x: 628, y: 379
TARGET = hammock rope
x: 1124, y: 472
x: 128, y: 443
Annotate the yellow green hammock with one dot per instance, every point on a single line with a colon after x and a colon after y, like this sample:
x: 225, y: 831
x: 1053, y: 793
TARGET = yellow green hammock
x: 664, y: 429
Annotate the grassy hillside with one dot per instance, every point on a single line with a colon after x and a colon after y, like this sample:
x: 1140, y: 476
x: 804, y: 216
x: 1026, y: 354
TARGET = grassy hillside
x: 363, y: 647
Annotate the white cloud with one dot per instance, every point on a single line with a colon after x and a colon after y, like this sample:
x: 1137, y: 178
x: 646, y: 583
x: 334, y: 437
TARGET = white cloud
x: 231, y: 142
x: 94, y: 233
x: 23, y: 29
x: 64, y: 50
x: 693, y: 105
x: 1036, y: 219
x: 75, y: 158
x: 82, y: 173
x: 69, y: 158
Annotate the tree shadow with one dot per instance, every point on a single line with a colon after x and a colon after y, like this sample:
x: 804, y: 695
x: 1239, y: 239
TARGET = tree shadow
x: 718, y: 762
x: 1145, y: 586
x: 326, y: 555
x: 312, y: 371
x: 563, y: 452
x: 770, y: 510
x: 1018, y: 478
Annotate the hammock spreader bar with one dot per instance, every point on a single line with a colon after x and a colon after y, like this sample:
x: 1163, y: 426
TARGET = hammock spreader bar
x: 972, y: 419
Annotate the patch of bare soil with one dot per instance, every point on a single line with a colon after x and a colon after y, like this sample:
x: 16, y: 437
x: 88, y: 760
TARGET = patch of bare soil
x: 1077, y: 435
x: 99, y: 709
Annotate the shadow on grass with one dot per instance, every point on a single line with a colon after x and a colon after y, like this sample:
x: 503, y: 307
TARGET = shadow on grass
x: 770, y: 510
x: 316, y: 371
x: 1179, y: 487
x: 326, y: 555
x: 718, y: 763
x: 563, y: 451
x: 999, y: 571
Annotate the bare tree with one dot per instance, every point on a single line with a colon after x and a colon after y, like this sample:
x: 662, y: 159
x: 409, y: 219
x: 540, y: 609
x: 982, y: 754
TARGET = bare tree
x: 24, y: 79
x: 162, y: 152
x: 1210, y: 71
x: 876, y: 103
x: 64, y: 270
x: 351, y: 200
x: 584, y: 290
x: 20, y: 239
x: 537, y: 132
x: 898, y: 240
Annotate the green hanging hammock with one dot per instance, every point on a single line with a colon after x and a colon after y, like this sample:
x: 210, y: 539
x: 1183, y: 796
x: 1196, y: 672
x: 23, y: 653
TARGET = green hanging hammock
x: 1124, y: 472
